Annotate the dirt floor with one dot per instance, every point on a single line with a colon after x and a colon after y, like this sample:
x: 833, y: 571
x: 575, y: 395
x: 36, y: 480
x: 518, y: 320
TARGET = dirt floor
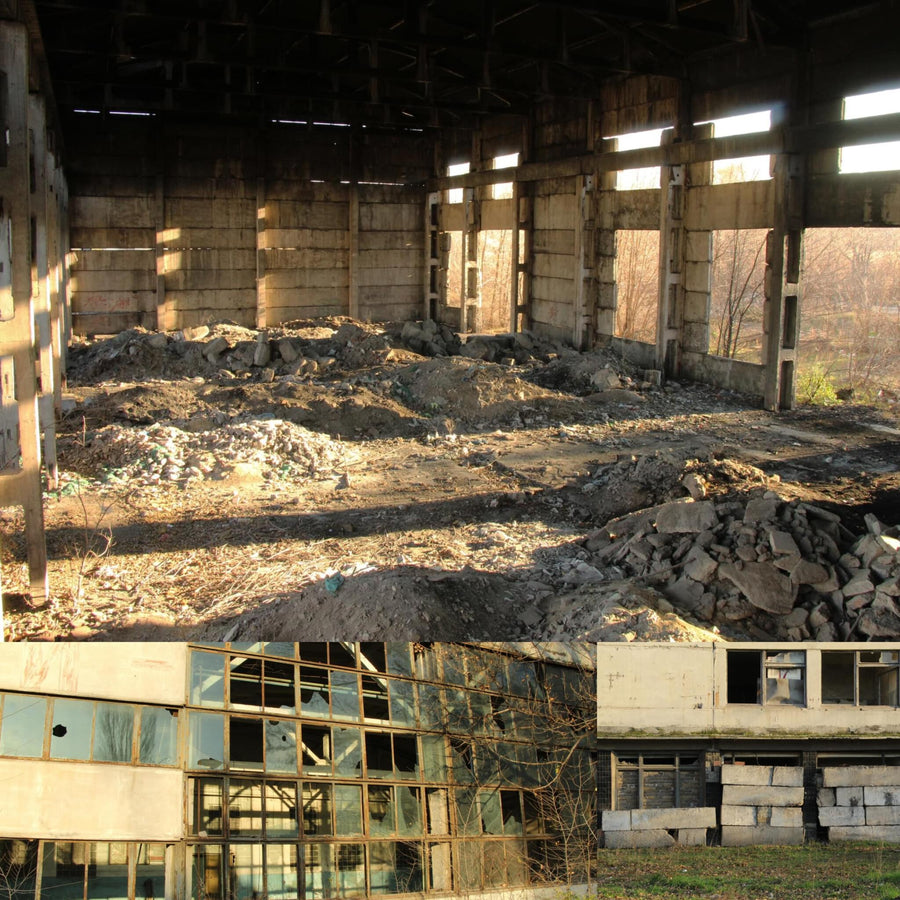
x: 341, y: 483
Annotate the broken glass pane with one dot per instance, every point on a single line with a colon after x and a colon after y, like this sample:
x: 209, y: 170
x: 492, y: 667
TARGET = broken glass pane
x: 434, y: 757
x: 22, y: 726
x: 491, y: 817
x: 62, y: 869
x: 206, y: 806
x: 314, y: 692
x: 113, y: 732
x: 159, y: 736
x: 278, y: 648
x: 207, y: 881
x: 785, y: 686
x: 403, y: 703
x: 463, y: 759
x: 246, y: 743
x: 350, y: 873
x: 468, y: 819
x: 278, y: 686
x: 431, y: 706
x: 18, y: 869
x: 206, y: 749
x: 316, y: 809
x: 877, y: 686
x: 372, y: 657
x: 281, y: 809
x: 437, y: 813
x: 395, y: 867
x: 409, y: 810
x: 70, y: 733
x: 468, y: 865
x: 207, y: 679
x: 245, y: 807
x: 245, y: 682
x: 315, y: 749
x: 381, y: 810
x: 512, y: 812
x: 348, y: 752
x: 345, y: 695
x: 398, y: 661
x: 281, y: 745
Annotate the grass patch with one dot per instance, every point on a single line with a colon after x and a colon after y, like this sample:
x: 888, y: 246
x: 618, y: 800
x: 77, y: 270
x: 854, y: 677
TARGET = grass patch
x: 846, y: 871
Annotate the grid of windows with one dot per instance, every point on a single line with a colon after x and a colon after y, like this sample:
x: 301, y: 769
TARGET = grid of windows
x: 769, y: 677
x: 65, y: 728
x: 365, y: 768
x: 659, y: 780
x: 861, y: 677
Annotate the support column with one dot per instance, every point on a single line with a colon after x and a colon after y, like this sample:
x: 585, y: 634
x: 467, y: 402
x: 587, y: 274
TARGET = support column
x: 605, y: 243
x: 671, y: 290
x: 22, y: 485
x: 41, y: 283
x: 353, y: 257
x: 56, y: 261
x: 585, y: 279
x: 470, y: 308
x: 431, y: 274
x: 523, y: 255
x: 159, y: 201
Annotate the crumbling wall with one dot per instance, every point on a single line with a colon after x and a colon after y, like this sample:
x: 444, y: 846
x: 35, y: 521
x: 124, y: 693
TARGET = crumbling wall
x: 860, y: 803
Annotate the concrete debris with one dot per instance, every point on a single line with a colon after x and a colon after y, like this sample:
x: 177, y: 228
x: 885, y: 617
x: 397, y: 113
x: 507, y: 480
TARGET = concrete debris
x: 768, y: 565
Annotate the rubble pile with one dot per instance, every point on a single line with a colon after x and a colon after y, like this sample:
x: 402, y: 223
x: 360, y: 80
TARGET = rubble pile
x: 766, y: 566
x: 264, y: 447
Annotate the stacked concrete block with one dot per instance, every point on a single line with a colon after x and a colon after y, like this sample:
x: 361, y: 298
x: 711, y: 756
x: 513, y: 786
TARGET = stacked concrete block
x: 861, y: 803
x: 631, y: 828
x: 762, y: 805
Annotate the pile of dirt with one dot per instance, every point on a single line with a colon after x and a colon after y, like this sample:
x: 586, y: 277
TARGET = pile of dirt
x: 268, y: 448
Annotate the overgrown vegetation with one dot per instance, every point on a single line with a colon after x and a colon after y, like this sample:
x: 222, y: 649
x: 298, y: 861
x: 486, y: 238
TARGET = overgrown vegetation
x: 852, y: 871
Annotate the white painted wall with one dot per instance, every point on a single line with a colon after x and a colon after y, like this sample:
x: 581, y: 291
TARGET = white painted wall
x: 91, y: 802
x: 148, y: 672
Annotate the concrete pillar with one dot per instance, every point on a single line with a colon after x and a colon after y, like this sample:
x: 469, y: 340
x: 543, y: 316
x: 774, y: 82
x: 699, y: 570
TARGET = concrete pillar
x: 17, y: 336
x: 353, y: 254
x: 670, y: 315
x: 431, y: 286
x: 523, y: 254
x: 605, y: 250
x: 585, y: 278
x: 470, y: 308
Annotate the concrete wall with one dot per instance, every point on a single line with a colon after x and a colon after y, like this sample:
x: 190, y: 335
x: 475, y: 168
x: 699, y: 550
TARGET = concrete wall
x: 48, y: 800
x: 136, y: 672
x: 860, y: 803
x: 761, y: 805
x: 681, y: 689
x: 657, y: 827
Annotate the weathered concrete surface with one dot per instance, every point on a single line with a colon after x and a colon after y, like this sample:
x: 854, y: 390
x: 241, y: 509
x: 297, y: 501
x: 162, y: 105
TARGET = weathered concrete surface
x: 848, y: 796
x: 888, y: 833
x: 753, y: 795
x: 763, y: 586
x: 826, y: 797
x: 683, y: 817
x: 850, y: 776
x: 738, y: 836
x: 692, y: 837
x: 881, y: 795
x: 616, y: 820
x: 883, y: 815
x: 686, y: 517
x: 628, y: 840
x: 738, y: 815
x: 786, y: 817
x: 842, y: 815
x: 780, y: 776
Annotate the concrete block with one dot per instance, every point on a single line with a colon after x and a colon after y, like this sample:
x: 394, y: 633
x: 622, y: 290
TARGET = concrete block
x: 738, y: 815
x: 848, y: 796
x: 882, y: 795
x: 616, y: 820
x: 629, y: 840
x: 825, y: 797
x: 758, y: 775
x: 883, y: 815
x: 787, y: 776
x: 680, y: 517
x: 751, y: 795
x: 737, y: 836
x: 888, y: 833
x: 684, y: 817
x: 850, y: 776
x: 786, y: 817
x: 692, y: 837
x: 842, y: 815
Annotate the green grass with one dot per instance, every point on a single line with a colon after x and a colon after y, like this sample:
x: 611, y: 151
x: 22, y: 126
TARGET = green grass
x: 846, y: 871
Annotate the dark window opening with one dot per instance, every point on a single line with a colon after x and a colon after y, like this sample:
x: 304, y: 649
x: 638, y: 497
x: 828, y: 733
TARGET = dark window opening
x: 743, y: 676
x: 342, y: 655
x: 375, y: 698
x: 314, y: 651
x: 837, y: 676
x: 406, y: 757
x: 246, y: 737
x: 373, y: 653
x: 378, y: 755
x: 315, y: 748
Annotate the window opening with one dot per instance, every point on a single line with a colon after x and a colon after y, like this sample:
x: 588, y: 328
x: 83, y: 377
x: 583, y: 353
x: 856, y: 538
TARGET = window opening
x: 455, y: 195
x: 504, y: 190
x: 879, y: 157
x: 743, y: 168
x: 637, y: 285
x: 643, y: 178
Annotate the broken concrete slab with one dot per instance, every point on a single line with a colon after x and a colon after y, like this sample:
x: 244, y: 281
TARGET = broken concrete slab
x: 763, y: 586
x: 700, y: 566
x: 748, y: 836
x: 851, y: 776
x: 686, y: 517
x: 632, y: 840
x: 783, y: 544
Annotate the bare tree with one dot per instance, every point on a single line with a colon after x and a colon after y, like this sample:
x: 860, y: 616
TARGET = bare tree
x: 18, y: 869
x: 637, y: 277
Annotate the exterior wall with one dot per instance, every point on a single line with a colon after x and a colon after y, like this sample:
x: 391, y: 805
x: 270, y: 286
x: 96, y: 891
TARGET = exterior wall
x: 139, y: 672
x: 638, y: 695
x: 123, y: 803
x: 762, y: 805
x: 860, y: 803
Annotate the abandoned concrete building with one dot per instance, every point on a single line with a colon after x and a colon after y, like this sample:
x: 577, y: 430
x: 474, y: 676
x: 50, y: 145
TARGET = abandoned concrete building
x: 158, y: 770
x: 748, y: 743
x: 167, y: 165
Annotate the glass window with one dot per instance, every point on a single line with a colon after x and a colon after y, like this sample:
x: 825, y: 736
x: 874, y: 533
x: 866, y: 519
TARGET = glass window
x: 22, y: 725
x: 877, y: 685
x: 468, y: 865
x: 18, y: 868
x: 396, y: 867
x: 398, y: 661
x: 206, y: 748
x: 207, y: 679
x: 245, y: 743
x: 150, y: 872
x: 350, y: 870
x: 107, y: 872
x: 434, y: 757
x: 348, y: 809
x: 62, y: 869
x: 70, y: 733
x: 281, y: 809
x: 785, y: 677
x: 278, y: 648
x: 245, y: 812
x: 206, y: 807
x: 491, y: 815
x: 409, y: 810
x: 158, y: 745
x: 345, y: 695
x: 431, y: 706
x: 463, y: 760
x: 316, y: 809
x: 403, y: 703
x: 278, y: 687
x: 381, y: 809
x: 246, y: 871
x: 347, y: 752
x: 282, y: 867
x: 314, y: 693
x: 207, y: 881
x: 113, y: 732
x: 281, y: 745
x: 372, y: 656
x: 468, y: 819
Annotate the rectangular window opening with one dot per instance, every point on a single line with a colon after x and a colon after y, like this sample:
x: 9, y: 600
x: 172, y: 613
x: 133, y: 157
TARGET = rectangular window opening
x: 637, y: 285
x: 878, y: 157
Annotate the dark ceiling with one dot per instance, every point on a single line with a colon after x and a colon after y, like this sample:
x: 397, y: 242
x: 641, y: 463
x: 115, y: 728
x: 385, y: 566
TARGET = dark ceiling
x: 418, y: 64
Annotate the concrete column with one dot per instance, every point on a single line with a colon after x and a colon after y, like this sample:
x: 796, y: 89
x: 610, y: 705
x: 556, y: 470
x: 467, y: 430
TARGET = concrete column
x: 17, y: 336
x: 670, y: 315
x: 523, y: 254
x: 353, y: 255
x: 40, y: 198
x: 470, y: 308
x: 585, y: 279
x: 431, y: 275
x: 605, y: 253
